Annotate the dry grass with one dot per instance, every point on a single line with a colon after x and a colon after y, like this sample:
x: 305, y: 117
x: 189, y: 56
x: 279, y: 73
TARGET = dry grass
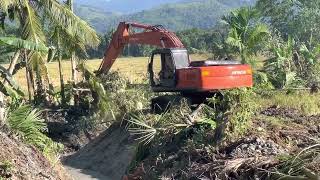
x: 135, y: 68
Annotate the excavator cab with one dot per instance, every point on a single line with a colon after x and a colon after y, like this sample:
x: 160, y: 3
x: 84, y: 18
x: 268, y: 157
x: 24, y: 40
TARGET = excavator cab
x: 163, y: 65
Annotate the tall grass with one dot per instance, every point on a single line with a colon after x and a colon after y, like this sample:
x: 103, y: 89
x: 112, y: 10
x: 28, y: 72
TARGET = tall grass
x: 303, y: 101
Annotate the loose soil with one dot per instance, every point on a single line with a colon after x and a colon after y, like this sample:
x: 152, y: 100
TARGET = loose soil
x: 27, y: 162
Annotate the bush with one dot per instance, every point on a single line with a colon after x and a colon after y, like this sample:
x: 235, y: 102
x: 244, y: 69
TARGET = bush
x: 233, y: 111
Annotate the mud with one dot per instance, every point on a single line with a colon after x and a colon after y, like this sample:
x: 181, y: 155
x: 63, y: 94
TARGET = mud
x: 106, y: 157
x: 64, y: 126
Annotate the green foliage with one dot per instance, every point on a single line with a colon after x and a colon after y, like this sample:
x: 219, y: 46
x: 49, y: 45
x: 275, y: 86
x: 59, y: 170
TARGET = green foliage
x: 113, y: 97
x: 292, y: 65
x: 261, y: 81
x: 281, y: 68
x: 308, y: 64
x: 308, y: 106
x: 237, y: 107
x: 28, y: 125
x: 246, y: 34
x: 6, y: 168
x: 298, y: 18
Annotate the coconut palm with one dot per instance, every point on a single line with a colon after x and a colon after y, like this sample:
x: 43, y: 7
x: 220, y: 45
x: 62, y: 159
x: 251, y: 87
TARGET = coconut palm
x: 36, y: 18
x: 245, y: 34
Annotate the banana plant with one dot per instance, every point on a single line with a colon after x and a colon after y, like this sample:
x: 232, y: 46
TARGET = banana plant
x: 13, y: 44
x: 281, y: 69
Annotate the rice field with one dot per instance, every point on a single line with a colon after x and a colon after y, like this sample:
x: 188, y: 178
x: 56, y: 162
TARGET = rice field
x: 135, y: 68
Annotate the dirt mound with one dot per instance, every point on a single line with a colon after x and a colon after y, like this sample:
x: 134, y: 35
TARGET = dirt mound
x: 106, y: 157
x: 19, y: 161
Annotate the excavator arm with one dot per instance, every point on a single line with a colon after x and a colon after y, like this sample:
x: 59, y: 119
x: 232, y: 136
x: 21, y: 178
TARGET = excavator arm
x: 150, y: 35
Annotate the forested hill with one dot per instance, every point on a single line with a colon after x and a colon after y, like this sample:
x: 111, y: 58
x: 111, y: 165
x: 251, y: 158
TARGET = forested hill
x: 124, y: 6
x: 182, y: 15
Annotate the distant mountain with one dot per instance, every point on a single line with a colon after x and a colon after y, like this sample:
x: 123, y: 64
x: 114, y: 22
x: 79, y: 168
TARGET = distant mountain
x: 182, y: 15
x: 124, y: 6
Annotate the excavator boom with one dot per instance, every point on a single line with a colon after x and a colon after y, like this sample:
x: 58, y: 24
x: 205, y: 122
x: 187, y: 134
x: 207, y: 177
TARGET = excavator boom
x: 150, y: 35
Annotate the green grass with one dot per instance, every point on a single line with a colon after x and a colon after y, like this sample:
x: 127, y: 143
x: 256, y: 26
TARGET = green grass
x: 303, y: 101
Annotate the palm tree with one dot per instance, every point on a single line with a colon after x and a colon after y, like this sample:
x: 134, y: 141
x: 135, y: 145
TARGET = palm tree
x: 245, y: 34
x: 73, y: 58
x: 55, y: 14
x: 14, y: 44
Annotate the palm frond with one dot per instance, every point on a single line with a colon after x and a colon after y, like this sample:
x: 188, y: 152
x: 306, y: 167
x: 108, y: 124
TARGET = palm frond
x: 28, y: 125
x: 37, y: 61
x: 139, y: 127
x: 32, y: 27
x: 23, y: 44
x: 5, y: 4
x: 74, y: 25
x: 258, y: 34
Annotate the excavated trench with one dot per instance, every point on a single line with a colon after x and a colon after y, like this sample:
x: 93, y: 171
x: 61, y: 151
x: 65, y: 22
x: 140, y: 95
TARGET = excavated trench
x: 107, y: 157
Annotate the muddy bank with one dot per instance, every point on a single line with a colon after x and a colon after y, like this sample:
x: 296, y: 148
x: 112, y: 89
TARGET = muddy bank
x: 20, y: 161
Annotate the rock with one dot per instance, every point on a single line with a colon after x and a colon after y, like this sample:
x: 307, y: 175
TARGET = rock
x: 244, y: 146
x: 252, y: 147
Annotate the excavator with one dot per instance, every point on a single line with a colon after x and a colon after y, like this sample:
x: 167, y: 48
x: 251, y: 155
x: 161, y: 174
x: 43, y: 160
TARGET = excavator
x: 193, y: 79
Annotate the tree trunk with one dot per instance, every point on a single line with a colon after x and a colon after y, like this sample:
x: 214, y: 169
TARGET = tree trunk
x: 74, y: 68
x: 73, y: 62
x: 2, y: 109
x: 73, y: 54
x: 14, y: 62
x: 29, y: 83
x: 62, y: 93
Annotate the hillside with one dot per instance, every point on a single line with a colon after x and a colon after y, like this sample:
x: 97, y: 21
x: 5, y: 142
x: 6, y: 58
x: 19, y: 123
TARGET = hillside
x: 124, y: 6
x: 175, y: 16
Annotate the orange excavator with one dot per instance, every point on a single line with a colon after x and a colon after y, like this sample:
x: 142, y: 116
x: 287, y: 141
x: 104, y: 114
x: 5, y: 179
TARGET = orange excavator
x: 177, y: 72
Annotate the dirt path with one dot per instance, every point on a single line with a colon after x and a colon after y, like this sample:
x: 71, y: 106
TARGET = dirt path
x: 106, y: 157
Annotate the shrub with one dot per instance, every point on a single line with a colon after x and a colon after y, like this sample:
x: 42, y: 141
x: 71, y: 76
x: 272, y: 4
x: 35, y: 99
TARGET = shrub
x: 233, y: 111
